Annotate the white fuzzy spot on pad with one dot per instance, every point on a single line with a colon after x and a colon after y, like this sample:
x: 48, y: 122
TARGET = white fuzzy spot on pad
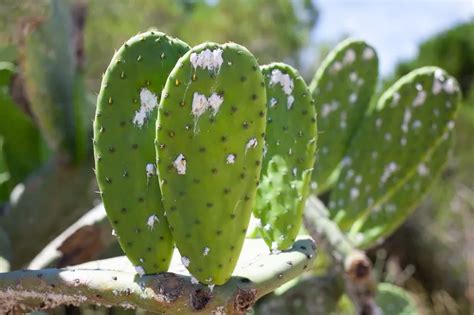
x: 152, y: 220
x: 148, y: 102
x: 284, y: 80
x: 207, y: 59
x: 201, y: 103
x: 140, y: 270
x: 150, y: 170
x: 251, y: 144
x: 349, y: 57
x: 368, y: 53
x: 180, y: 164
x: 185, y: 261
x: 230, y: 159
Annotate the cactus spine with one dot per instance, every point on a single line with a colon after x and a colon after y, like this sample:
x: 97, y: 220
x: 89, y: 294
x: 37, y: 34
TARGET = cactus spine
x: 124, y: 131
x: 210, y: 133
x: 290, y: 146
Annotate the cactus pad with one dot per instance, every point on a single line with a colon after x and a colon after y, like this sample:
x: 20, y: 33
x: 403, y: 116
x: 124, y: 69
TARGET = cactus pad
x: 210, y: 133
x: 124, y: 131
x: 408, y: 123
x: 341, y: 89
x: 290, y: 145
x: 383, y: 220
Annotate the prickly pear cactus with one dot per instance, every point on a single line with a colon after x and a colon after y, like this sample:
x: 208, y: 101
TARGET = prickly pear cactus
x: 341, y: 89
x: 383, y: 220
x: 124, y: 132
x: 290, y: 145
x: 406, y: 126
x: 210, y: 136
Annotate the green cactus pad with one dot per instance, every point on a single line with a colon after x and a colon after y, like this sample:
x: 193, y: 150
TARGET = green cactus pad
x: 124, y: 132
x: 393, y: 300
x: 210, y: 135
x: 404, y: 128
x: 383, y: 220
x: 341, y: 89
x: 289, y: 154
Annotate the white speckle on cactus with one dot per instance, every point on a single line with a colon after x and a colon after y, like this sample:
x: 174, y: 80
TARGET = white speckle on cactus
x: 406, y: 120
x: 416, y: 124
x: 336, y: 67
x: 358, y: 179
x: 368, y: 53
x: 205, y: 251
x: 267, y: 227
x: 328, y: 108
x: 273, y: 102
x: 450, y: 124
x: 419, y: 87
x: 148, y: 102
x: 141, y: 260
x: 199, y: 105
x: 211, y: 287
x: 210, y: 279
x: 403, y: 141
x: 140, y: 270
x: 395, y: 99
x: 391, y: 168
x: 290, y: 151
x: 230, y: 159
x: 207, y: 59
x: 258, y: 223
x: 185, y: 261
x: 388, y: 136
x: 378, y: 122
x: 349, y: 57
x: 346, y: 161
x: 215, y: 101
x: 350, y: 174
x: 353, y: 76
x: 419, y: 99
x: 450, y: 86
x: 289, y: 101
x: 194, y: 280
x: 251, y: 144
x: 180, y: 164
x: 343, y: 120
x: 114, y: 233
x: 151, y: 221
x: 353, y: 98
x: 265, y: 149
x: 423, y: 170
x: 277, y: 77
x: 437, y: 87
x: 354, y: 193
x: 150, y: 170
x: 294, y: 171
x: 438, y: 74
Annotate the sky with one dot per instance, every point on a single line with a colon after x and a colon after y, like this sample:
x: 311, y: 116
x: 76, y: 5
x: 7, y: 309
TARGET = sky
x: 394, y: 27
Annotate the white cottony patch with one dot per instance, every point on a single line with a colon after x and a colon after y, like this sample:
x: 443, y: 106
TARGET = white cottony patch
x: 251, y: 144
x: 201, y: 103
x: 349, y: 57
x: 353, y: 76
x: 437, y: 87
x: 215, y: 102
x: 423, y: 170
x: 230, y: 159
x: 273, y: 102
x: 150, y: 170
x: 353, y: 98
x: 358, y: 179
x: 194, y: 280
x: 148, y: 101
x: 416, y: 124
x: 180, y: 164
x: 336, y: 67
x: 450, y: 125
x: 277, y: 77
x: 388, y: 171
x: 205, y: 251
x: 438, y: 74
x: 354, y: 193
x: 406, y: 120
x: 419, y: 99
x: 140, y: 270
x: 329, y: 108
x: 207, y: 59
x: 289, y: 101
x: 185, y: 261
x: 419, y: 87
x: 114, y: 233
x: 450, y: 86
x: 267, y: 227
x: 368, y: 53
x: 294, y: 171
x: 378, y: 122
x: 152, y: 220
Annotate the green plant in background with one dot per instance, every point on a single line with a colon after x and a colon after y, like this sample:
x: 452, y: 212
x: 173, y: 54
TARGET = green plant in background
x: 290, y: 145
